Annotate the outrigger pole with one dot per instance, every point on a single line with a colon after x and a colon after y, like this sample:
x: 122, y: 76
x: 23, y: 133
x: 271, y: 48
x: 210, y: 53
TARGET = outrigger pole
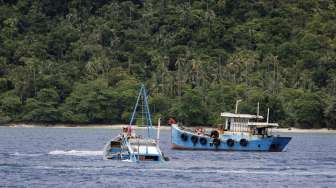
x: 134, y: 112
x: 148, y: 116
x: 142, y: 93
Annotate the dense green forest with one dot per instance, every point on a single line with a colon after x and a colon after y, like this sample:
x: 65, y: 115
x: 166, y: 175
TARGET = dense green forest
x: 81, y: 61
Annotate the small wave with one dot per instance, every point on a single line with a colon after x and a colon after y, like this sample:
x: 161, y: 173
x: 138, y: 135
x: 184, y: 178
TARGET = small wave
x: 27, y: 154
x: 76, y: 153
x: 298, y: 173
x: 67, y: 168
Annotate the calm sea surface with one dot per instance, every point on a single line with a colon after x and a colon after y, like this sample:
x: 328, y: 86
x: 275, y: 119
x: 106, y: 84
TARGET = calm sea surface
x: 72, y: 157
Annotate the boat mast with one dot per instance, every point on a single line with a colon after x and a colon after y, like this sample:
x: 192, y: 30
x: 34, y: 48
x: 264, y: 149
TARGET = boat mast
x: 258, y: 112
x: 267, y: 115
x: 237, y: 102
x: 145, y: 110
x: 158, y: 131
x: 147, y: 113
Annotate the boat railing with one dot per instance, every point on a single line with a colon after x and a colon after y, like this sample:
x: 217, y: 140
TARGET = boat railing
x: 148, y: 142
x: 160, y: 153
x: 131, y: 152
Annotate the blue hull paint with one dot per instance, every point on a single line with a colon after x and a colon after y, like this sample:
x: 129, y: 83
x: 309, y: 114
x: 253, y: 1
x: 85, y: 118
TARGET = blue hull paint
x: 255, y: 142
x: 280, y: 143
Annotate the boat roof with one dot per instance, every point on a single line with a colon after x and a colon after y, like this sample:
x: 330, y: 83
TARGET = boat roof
x: 262, y: 124
x: 242, y: 116
x: 139, y: 141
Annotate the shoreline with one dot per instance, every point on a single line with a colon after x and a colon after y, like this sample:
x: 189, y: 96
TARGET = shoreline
x: 297, y: 130
x: 163, y: 127
x: 84, y: 126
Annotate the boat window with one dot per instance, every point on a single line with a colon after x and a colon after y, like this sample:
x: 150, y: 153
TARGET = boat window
x: 239, y: 125
x: 260, y: 131
x: 229, y: 124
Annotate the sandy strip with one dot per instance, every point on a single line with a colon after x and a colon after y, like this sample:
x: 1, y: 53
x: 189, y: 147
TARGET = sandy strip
x: 296, y: 130
x: 91, y: 126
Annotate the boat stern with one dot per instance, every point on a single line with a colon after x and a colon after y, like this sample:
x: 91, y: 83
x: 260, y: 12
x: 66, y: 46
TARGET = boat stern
x: 176, y: 142
x: 184, y: 139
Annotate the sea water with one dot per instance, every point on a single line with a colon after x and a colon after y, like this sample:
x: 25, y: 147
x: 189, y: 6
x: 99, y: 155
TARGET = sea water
x: 72, y: 157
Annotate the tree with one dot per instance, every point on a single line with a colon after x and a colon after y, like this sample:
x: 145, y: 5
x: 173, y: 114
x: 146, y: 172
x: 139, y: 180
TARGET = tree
x: 330, y: 114
x: 93, y: 53
x: 305, y: 110
x: 44, y: 108
x: 190, y: 110
x: 10, y: 105
x: 95, y: 101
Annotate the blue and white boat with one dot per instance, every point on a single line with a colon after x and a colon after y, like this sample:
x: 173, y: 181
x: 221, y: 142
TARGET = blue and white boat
x: 128, y: 146
x: 240, y: 132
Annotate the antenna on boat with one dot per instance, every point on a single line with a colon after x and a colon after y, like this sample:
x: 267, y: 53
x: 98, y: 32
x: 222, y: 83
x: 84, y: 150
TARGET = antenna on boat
x: 158, y: 131
x: 237, y: 102
x: 267, y: 115
x: 258, y: 110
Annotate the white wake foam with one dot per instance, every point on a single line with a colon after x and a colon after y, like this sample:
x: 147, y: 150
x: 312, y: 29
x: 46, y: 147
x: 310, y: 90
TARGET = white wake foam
x: 27, y: 154
x: 293, y: 172
x: 76, y: 153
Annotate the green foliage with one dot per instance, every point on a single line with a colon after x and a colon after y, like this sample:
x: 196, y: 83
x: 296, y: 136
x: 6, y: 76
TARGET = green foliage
x: 266, y: 100
x: 95, y: 101
x: 330, y: 114
x: 81, y: 61
x: 89, y: 102
x: 10, y: 106
x: 304, y: 109
x: 43, y: 108
x: 159, y: 106
x: 5, y: 85
x: 308, y: 111
x: 190, y: 108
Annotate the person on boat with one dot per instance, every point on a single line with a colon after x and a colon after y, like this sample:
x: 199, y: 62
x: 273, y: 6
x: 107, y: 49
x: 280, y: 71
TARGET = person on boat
x: 129, y: 131
x: 124, y: 129
x: 171, y: 121
x: 199, y: 131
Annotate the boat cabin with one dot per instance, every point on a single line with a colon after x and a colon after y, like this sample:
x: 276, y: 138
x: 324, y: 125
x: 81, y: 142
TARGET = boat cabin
x: 127, y: 147
x: 145, y: 150
x: 246, y: 123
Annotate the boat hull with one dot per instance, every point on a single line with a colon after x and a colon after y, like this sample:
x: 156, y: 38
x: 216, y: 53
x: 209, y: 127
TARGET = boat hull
x: 193, y: 141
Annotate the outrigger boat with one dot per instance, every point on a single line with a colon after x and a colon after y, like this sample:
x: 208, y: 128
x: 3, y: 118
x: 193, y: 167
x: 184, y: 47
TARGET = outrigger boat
x: 240, y: 132
x: 131, y: 147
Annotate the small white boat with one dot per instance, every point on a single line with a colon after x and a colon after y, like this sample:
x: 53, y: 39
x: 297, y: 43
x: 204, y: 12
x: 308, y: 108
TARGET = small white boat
x: 131, y: 147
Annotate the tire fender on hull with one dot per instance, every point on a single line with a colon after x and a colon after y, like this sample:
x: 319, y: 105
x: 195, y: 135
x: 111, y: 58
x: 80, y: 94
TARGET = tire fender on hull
x: 243, y: 142
x: 230, y: 142
x: 194, y: 139
x: 184, y: 137
x: 203, y: 141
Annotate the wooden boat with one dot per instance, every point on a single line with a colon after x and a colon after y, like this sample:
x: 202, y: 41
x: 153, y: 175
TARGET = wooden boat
x: 128, y: 146
x: 240, y: 132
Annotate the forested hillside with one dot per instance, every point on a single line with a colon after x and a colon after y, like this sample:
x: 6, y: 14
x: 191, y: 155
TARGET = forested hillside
x: 81, y: 61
